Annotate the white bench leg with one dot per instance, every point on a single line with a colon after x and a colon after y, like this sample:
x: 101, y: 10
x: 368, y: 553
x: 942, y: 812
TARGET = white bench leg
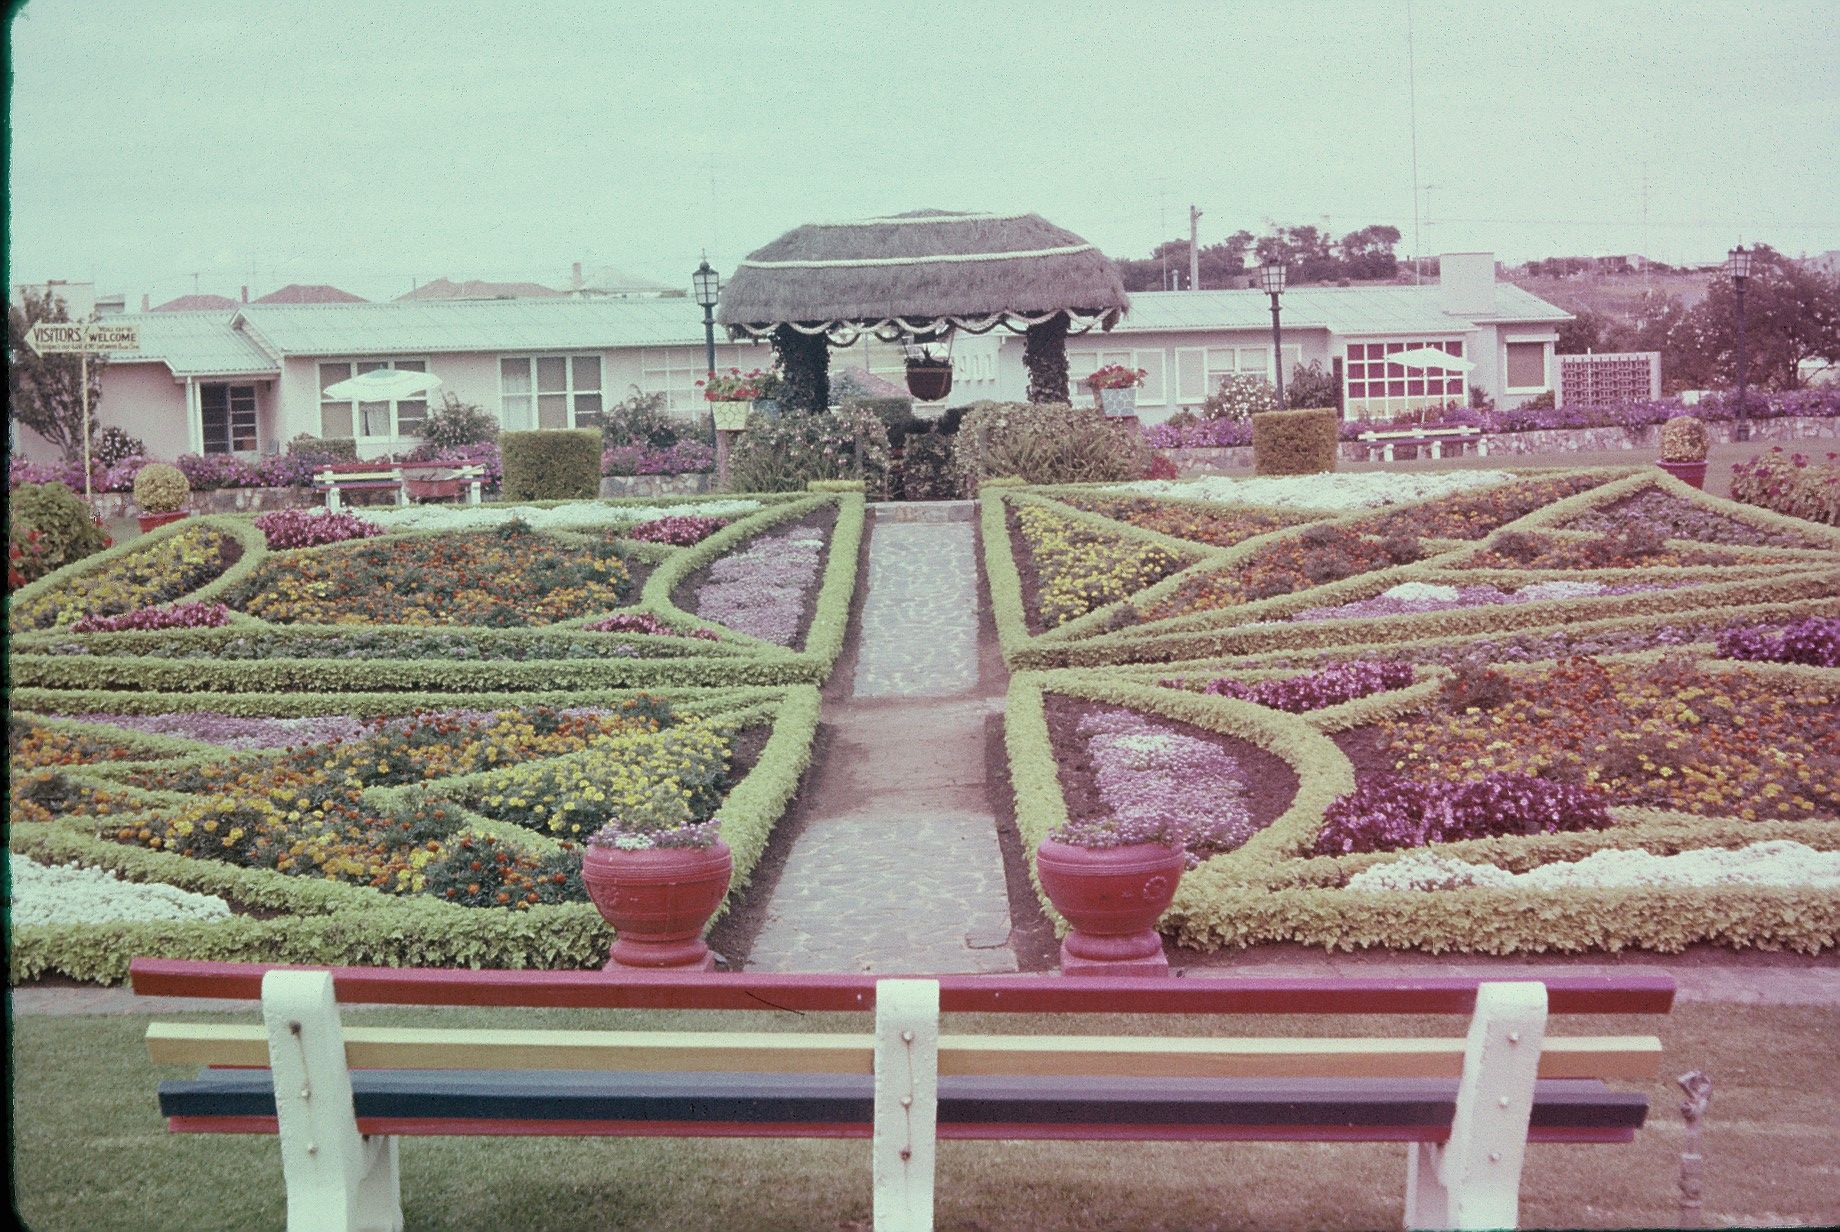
x: 1474, y: 1180
x: 1482, y: 448
x: 906, y: 1103
x: 1437, y: 450
x: 472, y: 492
x: 337, y: 1179
x: 1386, y: 453
x: 332, y: 499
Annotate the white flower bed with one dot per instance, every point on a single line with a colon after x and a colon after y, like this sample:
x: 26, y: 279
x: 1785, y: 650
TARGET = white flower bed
x: 71, y: 894
x: 1366, y: 490
x: 1776, y: 863
x: 579, y: 515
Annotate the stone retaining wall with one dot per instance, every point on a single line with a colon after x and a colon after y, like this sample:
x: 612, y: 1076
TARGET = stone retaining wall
x: 613, y: 486
x: 1508, y: 444
x: 216, y: 500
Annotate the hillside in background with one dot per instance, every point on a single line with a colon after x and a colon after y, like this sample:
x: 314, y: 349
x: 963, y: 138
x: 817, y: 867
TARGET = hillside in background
x: 1614, y: 295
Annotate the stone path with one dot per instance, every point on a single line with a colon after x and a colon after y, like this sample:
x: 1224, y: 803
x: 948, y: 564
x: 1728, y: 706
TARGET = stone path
x: 897, y: 867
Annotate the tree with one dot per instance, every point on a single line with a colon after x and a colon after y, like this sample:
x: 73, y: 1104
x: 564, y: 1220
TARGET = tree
x: 1221, y: 265
x: 1791, y: 314
x: 1368, y: 253
x: 45, y: 392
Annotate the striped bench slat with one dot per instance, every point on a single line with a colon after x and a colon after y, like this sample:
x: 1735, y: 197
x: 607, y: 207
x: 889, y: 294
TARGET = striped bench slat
x: 836, y: 1105
x: 1566, y: 994
x: 807, y: 1053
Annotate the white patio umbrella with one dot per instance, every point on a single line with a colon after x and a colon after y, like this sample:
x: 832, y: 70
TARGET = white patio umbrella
x: 383, y: 385
x: 1430, y: 357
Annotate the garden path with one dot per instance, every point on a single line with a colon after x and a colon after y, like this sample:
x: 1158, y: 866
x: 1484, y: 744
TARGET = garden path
x: 896, y: 867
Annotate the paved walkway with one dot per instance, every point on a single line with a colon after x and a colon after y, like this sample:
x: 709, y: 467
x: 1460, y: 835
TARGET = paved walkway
x: 897, y: 867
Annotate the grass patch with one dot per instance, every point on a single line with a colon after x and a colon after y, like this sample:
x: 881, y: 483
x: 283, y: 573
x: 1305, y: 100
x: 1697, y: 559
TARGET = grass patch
x: 91, y: 1152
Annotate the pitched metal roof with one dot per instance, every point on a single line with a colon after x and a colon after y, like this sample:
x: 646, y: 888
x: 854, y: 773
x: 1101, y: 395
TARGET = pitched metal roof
x: 1385, y: 309
x: 196, y: 303
x: 194, y: 344
x: 443, y: 326
x: 473, y: 288
x: 310, y: 293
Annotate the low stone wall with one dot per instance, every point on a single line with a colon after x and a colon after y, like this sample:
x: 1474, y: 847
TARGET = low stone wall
x: 1508, y: 444
x: 613, y: 486
x: 216, y: 500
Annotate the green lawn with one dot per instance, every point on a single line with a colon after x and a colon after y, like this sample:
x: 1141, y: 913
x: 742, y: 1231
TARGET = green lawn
x: 91, y: 1153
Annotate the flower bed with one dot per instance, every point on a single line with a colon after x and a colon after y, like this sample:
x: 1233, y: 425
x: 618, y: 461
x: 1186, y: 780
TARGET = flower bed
x: 173, y: 616
x: 1791, y: 484
x: 1473, y: 515
x: 1635, y: 547
x: 764, y: 590
x: 1222, y: 528
x: 1075, y: 569
x: 1318, y: 492
x: 1316, y: 556
x: 1676, y: 517
x: 161, y: 570
x: 1331, y: 686
x: 63, y: 894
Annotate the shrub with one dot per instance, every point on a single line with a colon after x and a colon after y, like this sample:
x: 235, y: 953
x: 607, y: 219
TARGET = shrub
x: 1045, y: 443
x: 48, y: 526
x: 1310, y: 386
x: 1294, y: 442
x: 112, y: 445
x: 642, y: 419
x: 205, y: 471
x: 455, y: 423
x: 1683, y: 439
x: 1160, y: 468
x: 327, y: 449
x: 1240, y: 397
x: 1788, y: 484
x: 786, y: 454
x: 309, y: 528
x: 551, y: 465
x: 926, y: 467
x: 160, y: 488
x: 896, y: 413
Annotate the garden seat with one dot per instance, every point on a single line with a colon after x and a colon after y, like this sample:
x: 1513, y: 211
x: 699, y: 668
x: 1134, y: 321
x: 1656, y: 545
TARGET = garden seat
x: 362, y: 477
x: 1436, y: 438
x: 341, y: 1097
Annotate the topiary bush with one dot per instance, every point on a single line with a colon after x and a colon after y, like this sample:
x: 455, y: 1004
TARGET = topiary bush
x: 454, y: 424
x: 1683, y: 439
x: 159, y: 488
x: 551, y: 465
x: 1294, y: 442
x: 1045, y: 442
x: 48, y: 526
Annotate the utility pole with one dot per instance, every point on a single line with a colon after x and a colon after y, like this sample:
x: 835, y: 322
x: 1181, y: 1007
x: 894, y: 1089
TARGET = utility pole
x: 1194, y: 249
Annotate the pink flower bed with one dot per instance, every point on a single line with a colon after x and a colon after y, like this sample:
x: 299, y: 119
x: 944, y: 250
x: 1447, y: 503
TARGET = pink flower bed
x: 1386, y: 812
x: 310, y: 528
x: 172, y: 616
x: 1814, y: 642
x: 1340, y: 682
x: 645, y: 622
x: 679, y: 531
x: 1411, y: 598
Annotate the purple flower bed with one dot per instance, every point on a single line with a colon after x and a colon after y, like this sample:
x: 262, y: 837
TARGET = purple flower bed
x: 679, y: 531
x: 1340, y: 682
x: 1386, y: 812
x: 1162, y: 786
x: 645, y: 622
x: 172, y: 616
x: 235, y: 731
x: 683, y: 458
x: 216, y: 470
x: 309, y: 528
x: 1422, y: 597
x: 761, y: 592
x: 1814, y: 642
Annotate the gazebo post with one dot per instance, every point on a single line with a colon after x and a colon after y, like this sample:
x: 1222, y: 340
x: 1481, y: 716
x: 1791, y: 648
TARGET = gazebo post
x: 1044, y: 353
x: 805, y: 362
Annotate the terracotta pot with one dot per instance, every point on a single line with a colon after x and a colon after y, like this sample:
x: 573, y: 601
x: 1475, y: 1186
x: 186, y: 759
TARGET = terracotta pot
x: 152, y: 521
x: 1693, y: 473
x: 929, y: 384
x: 658, y: 901
x: 730, y: 416
x: 1113, y: 897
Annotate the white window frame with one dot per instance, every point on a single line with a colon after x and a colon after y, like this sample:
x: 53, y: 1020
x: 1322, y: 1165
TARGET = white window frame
x: 1083, y: 362
x: 1390, y: 406
x: 1194, y: 358
x: 574, y: 395
x: 371, y: 363
x: 671, y: 362
x: 1546, y: 364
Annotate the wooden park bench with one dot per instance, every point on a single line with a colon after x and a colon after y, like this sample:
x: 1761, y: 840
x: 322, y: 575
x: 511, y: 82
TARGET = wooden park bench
x: 403, y: 478
x: 341, y: 1097
x: 1436, y: 438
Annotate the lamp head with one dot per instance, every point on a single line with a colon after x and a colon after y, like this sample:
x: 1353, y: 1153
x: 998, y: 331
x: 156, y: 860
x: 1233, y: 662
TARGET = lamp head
x: 1738, y: 263
x: 707, y: 284
x: 1274, y: 277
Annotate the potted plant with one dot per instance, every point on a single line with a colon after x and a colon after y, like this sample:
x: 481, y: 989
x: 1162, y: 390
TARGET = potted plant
x: 161, y: 491
x: 1116, y: 386
x: 1683, y: 449
x: 731, y: 394
x: 657, y: 877
x: 1112, y: 881
x: 929, y: 376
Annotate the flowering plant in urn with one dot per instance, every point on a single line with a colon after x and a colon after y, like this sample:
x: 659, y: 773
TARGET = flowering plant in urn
x: 738, y: 386
x: 1117, y: 376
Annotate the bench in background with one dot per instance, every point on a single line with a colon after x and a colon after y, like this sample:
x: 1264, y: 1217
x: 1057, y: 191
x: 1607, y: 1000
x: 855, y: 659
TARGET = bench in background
x: 340, y: 1098
x: 1436, y: 438
x: 391, y: 476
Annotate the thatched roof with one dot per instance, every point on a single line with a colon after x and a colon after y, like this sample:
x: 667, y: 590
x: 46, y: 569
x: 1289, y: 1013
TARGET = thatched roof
x: 924, y: 265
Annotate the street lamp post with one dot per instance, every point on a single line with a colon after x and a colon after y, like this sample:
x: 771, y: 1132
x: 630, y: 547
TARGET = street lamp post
x: 1738, y: 265
x: 1274, y: 285
x: 707, y: 285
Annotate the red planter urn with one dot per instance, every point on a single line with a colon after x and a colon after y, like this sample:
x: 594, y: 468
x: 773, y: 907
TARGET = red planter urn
x: 658, y: 900
x: 1693, y: 473
x: 153, y: 521
x: 1113, y: 897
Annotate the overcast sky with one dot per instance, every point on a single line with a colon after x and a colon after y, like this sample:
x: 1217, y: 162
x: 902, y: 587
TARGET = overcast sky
x: 371, y: 144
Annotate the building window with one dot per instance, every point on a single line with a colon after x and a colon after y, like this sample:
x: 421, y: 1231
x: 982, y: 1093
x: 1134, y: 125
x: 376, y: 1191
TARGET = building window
x: 402, y: 417
x: 1082, y: 364
x: 1526, y: 365
x: 1377, y: 389
x: 674, y: 373
x: 229, y: 413
x: 565, y: 390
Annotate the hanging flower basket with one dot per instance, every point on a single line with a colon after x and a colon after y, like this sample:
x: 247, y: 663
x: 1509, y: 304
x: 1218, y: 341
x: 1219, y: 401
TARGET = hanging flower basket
x: 731, y: 416
x: 929, y: 382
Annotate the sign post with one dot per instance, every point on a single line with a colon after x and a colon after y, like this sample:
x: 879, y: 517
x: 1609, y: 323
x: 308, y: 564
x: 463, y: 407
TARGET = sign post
x: 83, y: 338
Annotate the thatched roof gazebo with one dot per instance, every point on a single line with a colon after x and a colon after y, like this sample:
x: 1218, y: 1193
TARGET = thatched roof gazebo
x: 919, y: 276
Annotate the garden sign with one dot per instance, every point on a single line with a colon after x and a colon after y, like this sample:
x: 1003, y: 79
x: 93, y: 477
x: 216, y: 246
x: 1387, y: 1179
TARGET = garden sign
x: 84, y: 338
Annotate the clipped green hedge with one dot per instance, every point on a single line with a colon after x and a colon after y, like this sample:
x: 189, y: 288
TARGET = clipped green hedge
x: 551, y: 465
x: 1301, y: 442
